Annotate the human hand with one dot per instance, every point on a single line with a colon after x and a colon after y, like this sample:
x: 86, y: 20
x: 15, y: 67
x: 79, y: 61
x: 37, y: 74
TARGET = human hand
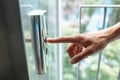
x: 82, y: 45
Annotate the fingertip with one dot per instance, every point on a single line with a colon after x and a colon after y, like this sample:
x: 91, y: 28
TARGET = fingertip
x: 50, y: 40
x: 47, y: 40
x: 77, y: 58
x: 73, y: 61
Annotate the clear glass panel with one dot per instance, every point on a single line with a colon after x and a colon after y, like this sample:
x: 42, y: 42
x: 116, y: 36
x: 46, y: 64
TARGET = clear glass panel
x: 110, y: 63
x: 69, y: 26
x: 92, y: 20
x: 52, y: 18
x: 88, y: 67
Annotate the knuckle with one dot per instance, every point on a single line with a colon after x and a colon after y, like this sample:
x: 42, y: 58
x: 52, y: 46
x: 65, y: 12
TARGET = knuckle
x: 67, y: 50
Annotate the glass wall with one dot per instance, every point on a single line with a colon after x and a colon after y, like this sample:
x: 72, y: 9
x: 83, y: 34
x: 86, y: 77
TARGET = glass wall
x: 91, y: 20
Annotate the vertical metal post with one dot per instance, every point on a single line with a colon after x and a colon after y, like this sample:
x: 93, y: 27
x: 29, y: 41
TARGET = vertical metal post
x: 80, y: 31
x: 100, y: 54
x: 59, y: 30
x: 119, y: 73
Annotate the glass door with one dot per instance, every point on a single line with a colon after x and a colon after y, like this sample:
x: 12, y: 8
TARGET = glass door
x: 52, y: 59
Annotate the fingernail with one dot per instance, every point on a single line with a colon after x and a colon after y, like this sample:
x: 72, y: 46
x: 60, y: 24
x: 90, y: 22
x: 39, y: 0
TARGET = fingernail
x: 73, y: 61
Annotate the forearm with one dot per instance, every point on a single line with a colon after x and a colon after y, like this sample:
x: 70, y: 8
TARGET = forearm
x: 113, y: 32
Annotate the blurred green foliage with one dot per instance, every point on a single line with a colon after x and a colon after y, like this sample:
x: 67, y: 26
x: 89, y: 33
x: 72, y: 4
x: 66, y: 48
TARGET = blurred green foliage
x: 109, y: 68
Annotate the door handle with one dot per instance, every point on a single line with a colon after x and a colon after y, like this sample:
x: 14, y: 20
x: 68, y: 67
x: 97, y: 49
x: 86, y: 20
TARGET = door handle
x: 39, y: 34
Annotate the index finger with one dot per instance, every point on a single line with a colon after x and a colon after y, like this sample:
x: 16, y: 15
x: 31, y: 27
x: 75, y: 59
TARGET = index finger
x: 64, y: 39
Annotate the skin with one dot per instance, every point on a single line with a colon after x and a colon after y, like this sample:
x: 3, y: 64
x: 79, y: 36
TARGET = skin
x: 83, y: 45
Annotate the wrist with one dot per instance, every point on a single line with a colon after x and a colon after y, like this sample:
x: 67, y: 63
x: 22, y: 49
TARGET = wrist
x: 112, y: 33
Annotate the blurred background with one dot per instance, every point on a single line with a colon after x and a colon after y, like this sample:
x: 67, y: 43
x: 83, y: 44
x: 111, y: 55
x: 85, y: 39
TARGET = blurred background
x: 63, y: 18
